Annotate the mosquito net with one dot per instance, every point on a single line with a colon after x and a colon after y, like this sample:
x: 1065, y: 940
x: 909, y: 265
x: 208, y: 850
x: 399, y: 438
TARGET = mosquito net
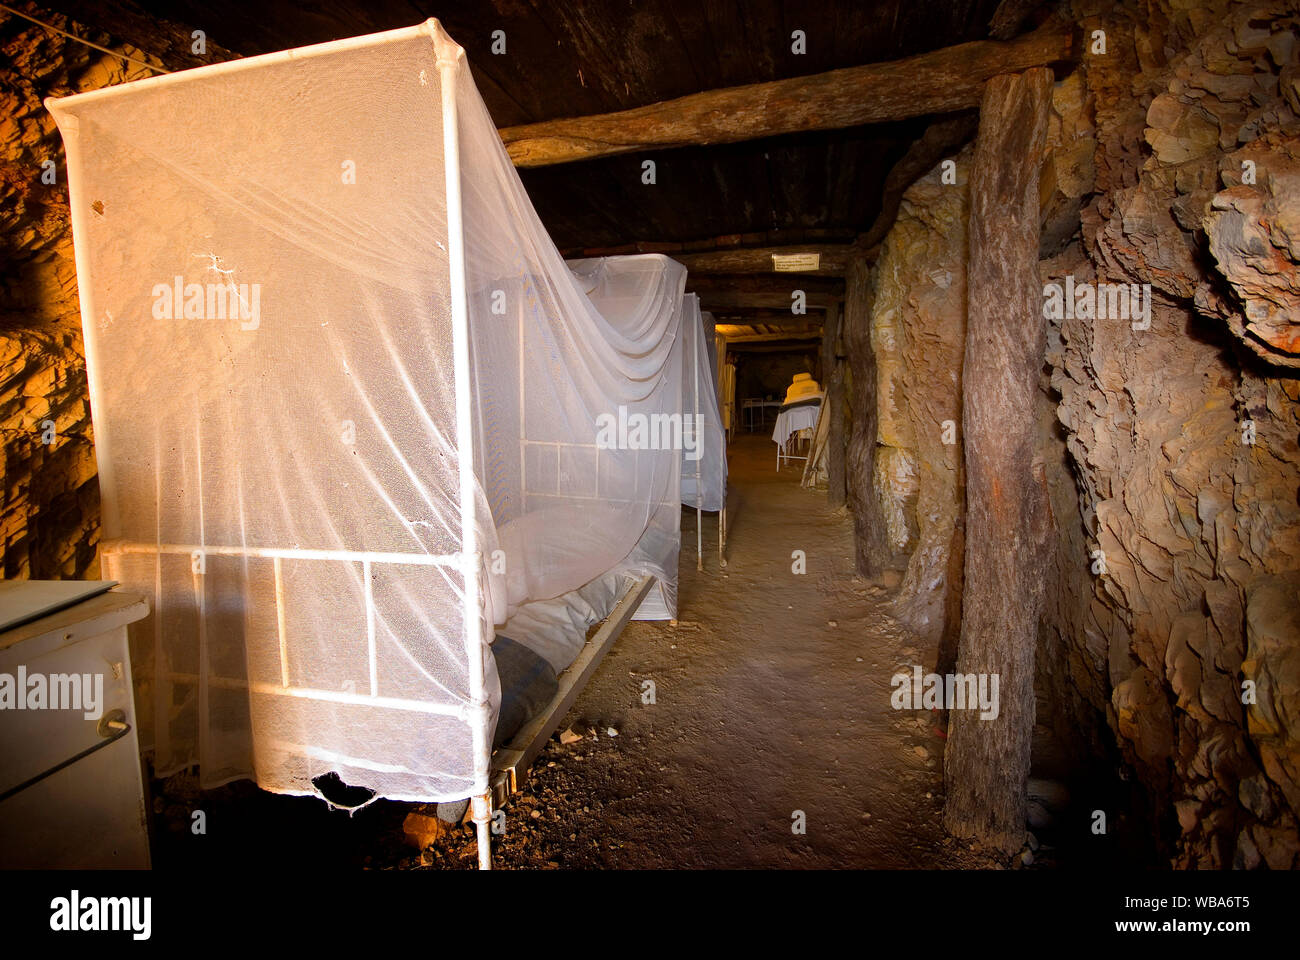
x: 711, y: 341
x: 704, y: 466
x: 348, y: 403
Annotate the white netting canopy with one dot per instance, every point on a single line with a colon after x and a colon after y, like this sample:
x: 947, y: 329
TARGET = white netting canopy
x: 346, y: 398
x: 704, y: 467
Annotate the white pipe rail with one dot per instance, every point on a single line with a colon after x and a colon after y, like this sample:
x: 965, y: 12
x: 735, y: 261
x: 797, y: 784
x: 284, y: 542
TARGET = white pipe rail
x: 482, y: 745
x: 698, y: 330
x: 112, y: 550
x: 110, y: 547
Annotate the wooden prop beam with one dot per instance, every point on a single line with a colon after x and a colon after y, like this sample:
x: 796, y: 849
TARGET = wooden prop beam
x: 873, y: 550
x: 833, y: 374
x: 986, y: 759
x: 1010, y: 14
x: 941, y: 139
x: 942, y: 81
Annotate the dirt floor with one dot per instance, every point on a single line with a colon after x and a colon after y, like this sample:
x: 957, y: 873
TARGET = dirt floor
x: 771, y: 697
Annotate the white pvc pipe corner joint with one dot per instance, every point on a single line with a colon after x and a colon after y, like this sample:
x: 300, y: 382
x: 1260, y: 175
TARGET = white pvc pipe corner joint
x: 448, y: 69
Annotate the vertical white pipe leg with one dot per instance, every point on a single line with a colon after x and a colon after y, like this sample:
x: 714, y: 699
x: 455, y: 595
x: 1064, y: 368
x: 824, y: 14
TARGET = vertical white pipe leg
x: 482, y: 814
x: 479, y: 715
x: 722, y: 513
x: 699, y: 450
x: 699, y: 539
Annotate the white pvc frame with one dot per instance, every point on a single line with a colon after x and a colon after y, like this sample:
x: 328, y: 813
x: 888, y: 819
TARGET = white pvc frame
x: 698, y: 335
x: 481, y: 719
x: 469, y: 560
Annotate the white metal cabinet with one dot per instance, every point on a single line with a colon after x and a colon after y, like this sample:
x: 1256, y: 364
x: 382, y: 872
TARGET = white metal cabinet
x: 90, y: 813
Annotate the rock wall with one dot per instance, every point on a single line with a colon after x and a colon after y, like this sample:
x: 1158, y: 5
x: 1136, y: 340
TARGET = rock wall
x: 50, y: 508
x: 1171, y: 641
x: 918, y: 331
x: 49, y: 501
x: 1177, y: 500
x: 915, y: 328
x: 1169, y: 652
x: 769, y: 374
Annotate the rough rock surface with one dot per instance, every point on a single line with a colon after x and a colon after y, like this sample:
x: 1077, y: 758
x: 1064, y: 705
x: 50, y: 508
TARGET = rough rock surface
x: 49, y: 515
x: 1254, y: 235
x: 49, y: 501
x: 1168, y: 647
x: 1179, y: 658
x: 1173, y: 525
x: 918, y: 331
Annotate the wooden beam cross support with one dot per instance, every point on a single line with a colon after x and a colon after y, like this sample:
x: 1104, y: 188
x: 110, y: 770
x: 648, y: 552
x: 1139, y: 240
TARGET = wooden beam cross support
x: 941, y: 81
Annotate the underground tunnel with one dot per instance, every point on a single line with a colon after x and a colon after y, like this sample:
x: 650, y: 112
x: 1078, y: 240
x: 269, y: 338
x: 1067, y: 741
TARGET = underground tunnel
x: 651, y: 436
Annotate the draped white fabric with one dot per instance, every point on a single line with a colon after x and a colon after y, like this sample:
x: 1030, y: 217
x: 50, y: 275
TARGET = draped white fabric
x: 791, y: 421
x: 267, y: 258
x: 704, y: 468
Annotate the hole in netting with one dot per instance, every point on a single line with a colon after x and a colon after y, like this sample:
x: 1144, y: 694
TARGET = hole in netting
x: 340, y: 795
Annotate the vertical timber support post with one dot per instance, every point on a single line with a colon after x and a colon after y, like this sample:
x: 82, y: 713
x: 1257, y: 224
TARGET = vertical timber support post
x: 833, y: 370
x: 860, y: 456
x: 987, y: 759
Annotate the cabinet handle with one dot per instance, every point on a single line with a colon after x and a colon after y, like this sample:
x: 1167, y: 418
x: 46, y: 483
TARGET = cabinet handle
x: 112, y: 727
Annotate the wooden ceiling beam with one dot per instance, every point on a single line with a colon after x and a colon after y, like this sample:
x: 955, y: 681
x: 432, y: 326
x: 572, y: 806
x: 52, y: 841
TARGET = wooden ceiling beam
x: 747, y: 329
x: 794, y: 237
x: 942, y: 81
x: 771, y: 318
x: 785, y: 345
x: 774, y: 337
x: 777, y: 283
x: 723, y: 301
x: 832, y: 260
x: 722, y: 292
